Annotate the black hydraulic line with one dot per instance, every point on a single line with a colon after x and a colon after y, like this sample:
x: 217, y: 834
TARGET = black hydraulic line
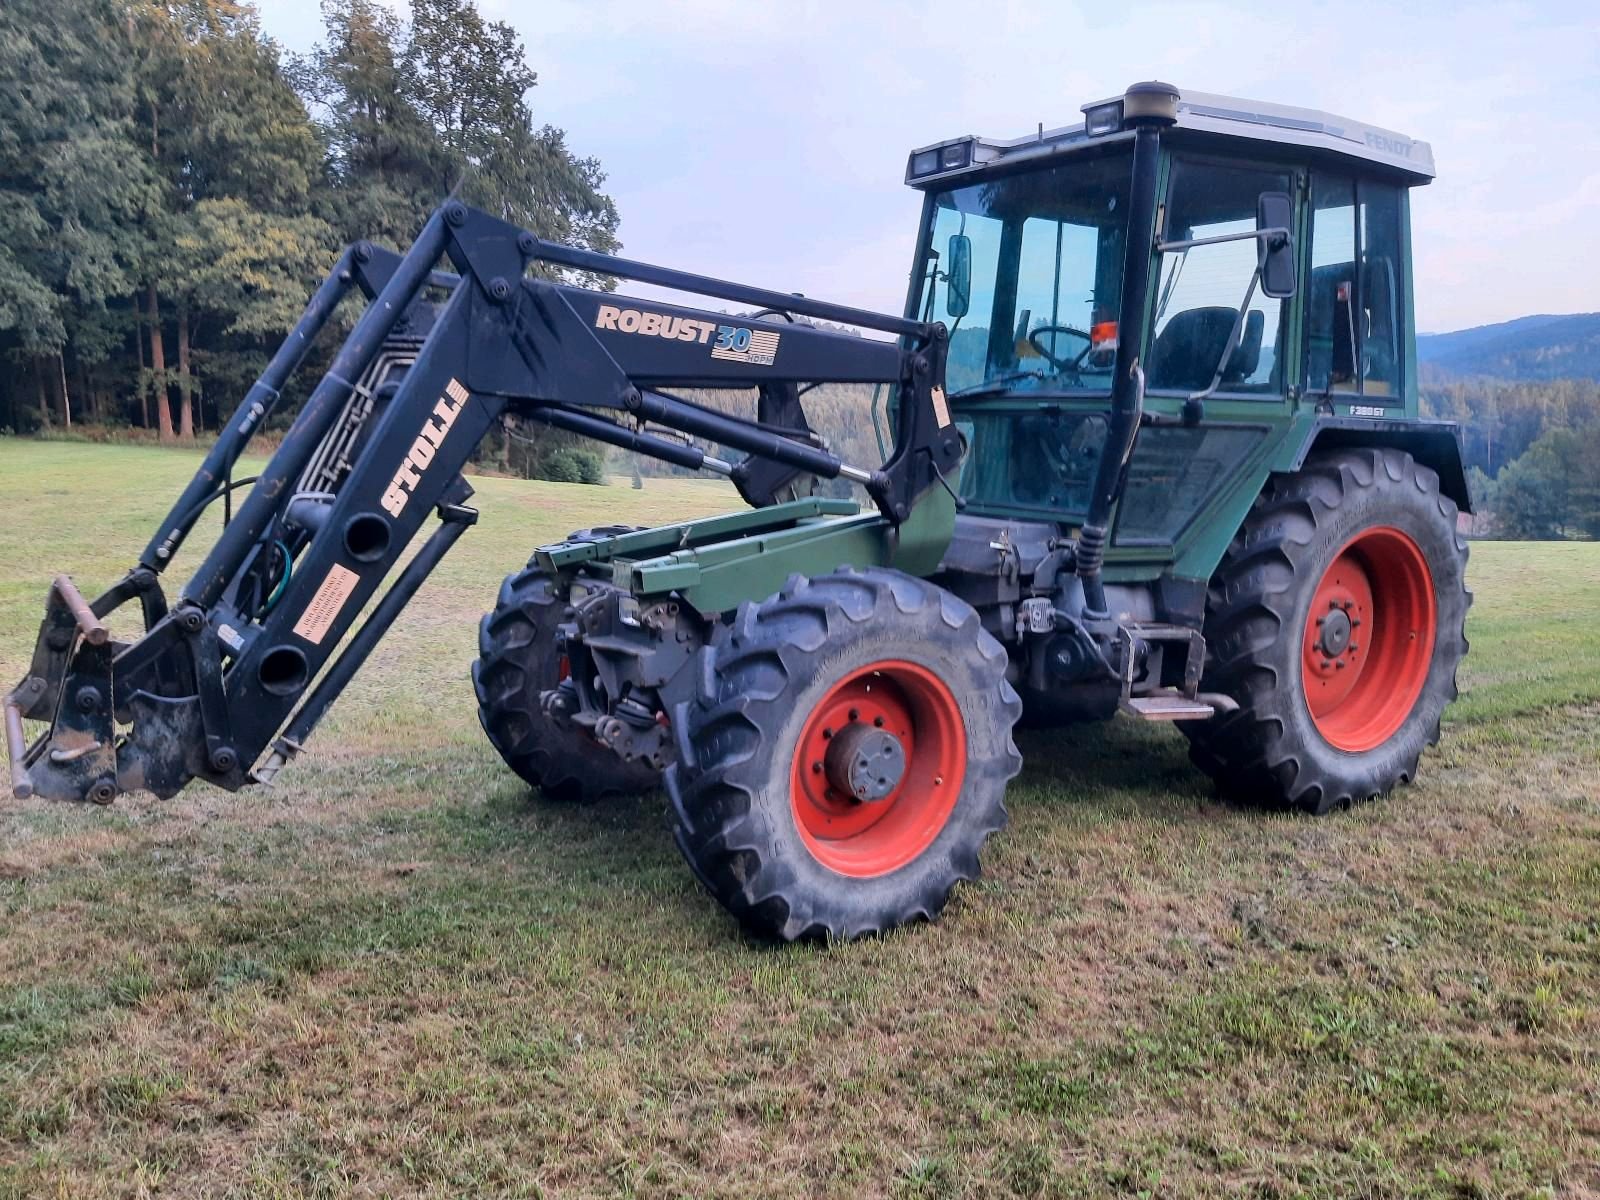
x: 317, y: 416
x: 704, y: 285
x: 612, y: 434
x: 221, y: 491
x: 456, y: 521
x: 252, y: 411
x: 732, y: 432
x: 1127, y: 389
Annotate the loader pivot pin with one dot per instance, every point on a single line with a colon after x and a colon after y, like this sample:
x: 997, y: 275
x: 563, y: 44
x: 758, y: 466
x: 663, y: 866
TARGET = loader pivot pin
x: 88, y: 624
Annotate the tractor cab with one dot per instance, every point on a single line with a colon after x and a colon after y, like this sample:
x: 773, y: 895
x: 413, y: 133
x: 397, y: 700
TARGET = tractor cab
x: 1252, y: 265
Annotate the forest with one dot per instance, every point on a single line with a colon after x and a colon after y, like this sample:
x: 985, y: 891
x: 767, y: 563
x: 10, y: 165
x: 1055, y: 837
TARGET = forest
x: 1532, y: 449
x: 172, y: 185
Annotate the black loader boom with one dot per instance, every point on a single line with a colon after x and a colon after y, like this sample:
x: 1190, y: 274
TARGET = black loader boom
x: 431, y: 366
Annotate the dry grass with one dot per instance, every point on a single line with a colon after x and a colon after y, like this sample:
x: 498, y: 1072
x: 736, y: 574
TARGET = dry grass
x: 395, y: 975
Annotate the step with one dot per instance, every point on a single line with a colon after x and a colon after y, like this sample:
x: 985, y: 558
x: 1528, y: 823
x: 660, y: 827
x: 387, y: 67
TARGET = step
x: 1167, y: 706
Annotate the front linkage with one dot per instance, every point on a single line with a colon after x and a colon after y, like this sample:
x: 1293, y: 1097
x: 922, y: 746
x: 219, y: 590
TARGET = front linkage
x: 432, y: 365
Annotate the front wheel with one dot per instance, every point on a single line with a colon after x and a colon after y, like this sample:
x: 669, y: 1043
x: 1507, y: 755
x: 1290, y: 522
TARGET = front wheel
x: 517, y: 661
x: 1337, y: 621
x: 845, y: 756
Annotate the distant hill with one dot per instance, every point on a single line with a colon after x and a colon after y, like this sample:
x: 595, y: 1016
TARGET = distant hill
x: 1528, y: 348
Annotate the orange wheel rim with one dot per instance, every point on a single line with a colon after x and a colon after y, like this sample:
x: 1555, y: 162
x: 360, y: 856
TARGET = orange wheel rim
x: 1368, y: 640
x: 878, y: 768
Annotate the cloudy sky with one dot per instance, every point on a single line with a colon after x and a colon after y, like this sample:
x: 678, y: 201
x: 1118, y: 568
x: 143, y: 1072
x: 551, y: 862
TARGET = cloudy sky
x: 765, y: 142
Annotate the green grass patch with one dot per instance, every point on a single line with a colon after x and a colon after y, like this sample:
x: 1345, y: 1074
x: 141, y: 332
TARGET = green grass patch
x: 396, y: 974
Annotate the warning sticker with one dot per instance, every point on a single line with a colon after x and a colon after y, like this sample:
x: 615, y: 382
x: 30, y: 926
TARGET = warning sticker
x: 941, y: 410
x: 319, y: 615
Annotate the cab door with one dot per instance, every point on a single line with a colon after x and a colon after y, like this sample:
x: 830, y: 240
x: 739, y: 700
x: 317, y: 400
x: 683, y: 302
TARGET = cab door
x: 1182, y: 464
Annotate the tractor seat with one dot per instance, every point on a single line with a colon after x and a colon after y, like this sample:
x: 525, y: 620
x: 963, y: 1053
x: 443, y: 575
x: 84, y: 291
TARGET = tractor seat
x: 1185, y: 355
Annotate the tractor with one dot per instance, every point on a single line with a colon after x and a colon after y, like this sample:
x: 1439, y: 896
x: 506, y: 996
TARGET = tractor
x: 1152, y: 449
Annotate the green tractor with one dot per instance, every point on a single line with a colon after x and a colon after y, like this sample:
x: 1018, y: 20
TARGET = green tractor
x: 1181, y: 358
x: 1153, y: 450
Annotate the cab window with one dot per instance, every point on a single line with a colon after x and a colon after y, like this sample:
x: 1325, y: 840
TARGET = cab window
x: 1353, y: 310
x: 1203, y: 288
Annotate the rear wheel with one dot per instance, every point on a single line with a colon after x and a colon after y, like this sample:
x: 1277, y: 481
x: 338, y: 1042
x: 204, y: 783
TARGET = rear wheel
x: 517, y: 660
x: 845, y: 756
x: 1337, y: 621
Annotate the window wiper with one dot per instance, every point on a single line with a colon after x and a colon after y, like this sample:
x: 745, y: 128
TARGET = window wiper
x: 994, y: 387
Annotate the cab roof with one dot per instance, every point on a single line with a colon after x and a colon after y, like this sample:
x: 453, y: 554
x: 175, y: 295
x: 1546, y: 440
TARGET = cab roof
x: 1202, y: 112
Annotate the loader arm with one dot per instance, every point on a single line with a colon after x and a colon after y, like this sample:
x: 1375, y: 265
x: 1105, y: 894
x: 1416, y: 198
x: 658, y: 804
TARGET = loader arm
x: 432, y: 365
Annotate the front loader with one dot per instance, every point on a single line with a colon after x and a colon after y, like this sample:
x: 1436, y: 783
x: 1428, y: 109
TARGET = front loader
x: 1113, y: 486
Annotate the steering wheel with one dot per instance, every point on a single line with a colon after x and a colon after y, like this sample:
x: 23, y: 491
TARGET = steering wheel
x: 1073, y: 365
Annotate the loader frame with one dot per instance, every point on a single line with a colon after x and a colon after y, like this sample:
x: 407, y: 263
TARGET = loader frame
x: 430, y: 367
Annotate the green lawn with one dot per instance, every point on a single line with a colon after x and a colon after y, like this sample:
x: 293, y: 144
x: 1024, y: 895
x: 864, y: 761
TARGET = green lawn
x: 395, y: 974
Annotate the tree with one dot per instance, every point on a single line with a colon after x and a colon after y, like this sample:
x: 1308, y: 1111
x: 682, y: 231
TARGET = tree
x: 385, y: 161
x: 411, y: 113
x: 70, y: 193
x: 223, y: 123
x: 1553, y: 490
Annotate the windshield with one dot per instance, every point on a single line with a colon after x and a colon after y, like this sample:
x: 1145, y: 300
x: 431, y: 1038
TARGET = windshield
x: 1046, y: 251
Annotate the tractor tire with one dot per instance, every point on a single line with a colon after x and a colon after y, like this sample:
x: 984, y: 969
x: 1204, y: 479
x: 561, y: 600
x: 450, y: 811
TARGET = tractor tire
x: 517, y: 659
x: 782, y: 801
x: 1337, y: 621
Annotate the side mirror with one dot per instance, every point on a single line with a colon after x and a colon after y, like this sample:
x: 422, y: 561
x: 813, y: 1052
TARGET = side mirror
x: 958, y: 276
x: 1275, y: 210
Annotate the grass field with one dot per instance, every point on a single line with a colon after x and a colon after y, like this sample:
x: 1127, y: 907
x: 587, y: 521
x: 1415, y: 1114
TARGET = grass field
x: 396, y: 975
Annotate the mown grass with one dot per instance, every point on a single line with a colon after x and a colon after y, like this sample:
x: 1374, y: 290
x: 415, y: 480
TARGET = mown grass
x: 395, y: 975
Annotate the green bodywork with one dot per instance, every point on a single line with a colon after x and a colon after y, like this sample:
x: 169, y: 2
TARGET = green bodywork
x: 1176, y: 518
x: 718, y: 562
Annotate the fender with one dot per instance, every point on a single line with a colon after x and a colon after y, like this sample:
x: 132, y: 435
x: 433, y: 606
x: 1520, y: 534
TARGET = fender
x: 1435, y: 444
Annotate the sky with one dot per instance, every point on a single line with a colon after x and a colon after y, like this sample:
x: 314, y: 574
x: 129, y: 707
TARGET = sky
x: 766, y: 142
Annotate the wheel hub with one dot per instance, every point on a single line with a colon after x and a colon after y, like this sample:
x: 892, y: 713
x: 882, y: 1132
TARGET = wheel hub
x: 1336, y: 627
x: 865, y: 762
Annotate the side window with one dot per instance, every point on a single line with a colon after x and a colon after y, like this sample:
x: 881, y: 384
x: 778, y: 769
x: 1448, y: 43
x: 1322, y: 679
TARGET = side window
x: 1354, y: 311
x: 1202, y: 288
x: 1381, y: 277
x: 1330, y: 308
